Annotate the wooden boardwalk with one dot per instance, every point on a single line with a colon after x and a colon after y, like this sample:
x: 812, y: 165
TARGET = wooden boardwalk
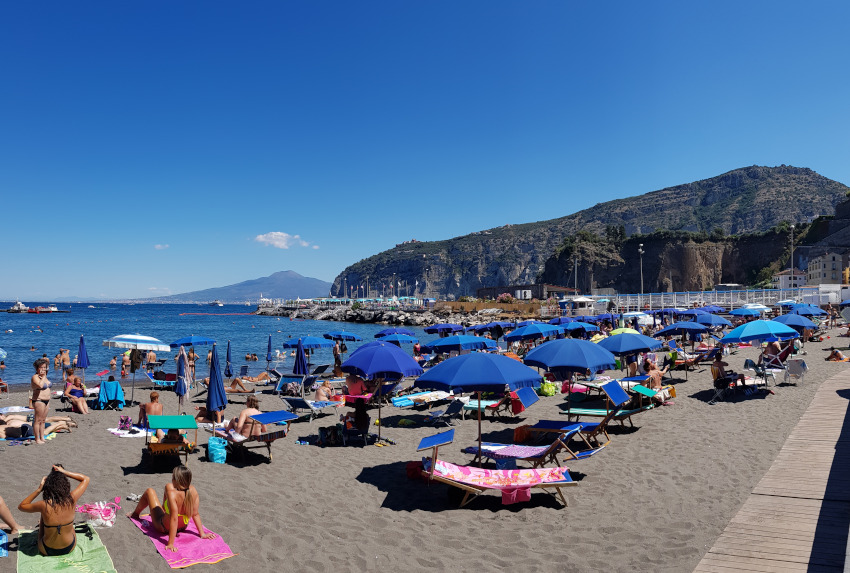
x: 797, y: 517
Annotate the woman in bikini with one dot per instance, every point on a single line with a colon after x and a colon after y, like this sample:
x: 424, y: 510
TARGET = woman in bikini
x: 40, y: 386
x: 12, y: 426
x: 76, y: 393
x: 56, y: 534
x: 182, y: 497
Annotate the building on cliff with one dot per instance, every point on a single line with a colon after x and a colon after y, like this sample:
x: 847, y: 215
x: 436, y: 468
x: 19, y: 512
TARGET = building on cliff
x: 789, y: 278
x: 826, y: 268
x: 540, y: 291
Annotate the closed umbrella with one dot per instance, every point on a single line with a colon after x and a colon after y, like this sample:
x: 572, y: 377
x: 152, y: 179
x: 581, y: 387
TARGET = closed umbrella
x: 228, y: 364
x: 381, y: 360
x: 180, y: 387
x: 269, y: 357
x: 82, y: 357
x: 478, y: 372
x: 216, y: 395
x: 300, y: 368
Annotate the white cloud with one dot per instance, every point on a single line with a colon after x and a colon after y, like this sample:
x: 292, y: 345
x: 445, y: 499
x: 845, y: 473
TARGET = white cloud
x: 161, y: 247
x: 281, y: 240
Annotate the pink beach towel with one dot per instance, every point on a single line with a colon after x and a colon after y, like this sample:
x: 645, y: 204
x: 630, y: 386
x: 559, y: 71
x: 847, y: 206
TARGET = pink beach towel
x: 191, y: 549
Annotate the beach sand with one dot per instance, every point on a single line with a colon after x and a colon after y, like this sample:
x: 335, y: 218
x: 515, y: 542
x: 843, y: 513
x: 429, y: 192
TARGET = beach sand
x: 655, y: 500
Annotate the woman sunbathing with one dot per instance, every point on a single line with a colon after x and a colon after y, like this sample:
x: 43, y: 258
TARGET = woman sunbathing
x: 179, y: 504
x: 243, y: 424
x: 76, y: 393
x: 17, y: 427
x: 324, y: 392
x: 836, y: 356
x: 236, y: 387
x: 56, y: 534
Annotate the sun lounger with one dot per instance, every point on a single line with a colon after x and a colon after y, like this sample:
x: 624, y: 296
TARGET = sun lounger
x: 795, y: 369
x: 525, y: 396
x: 420, y: 399
x: 166, y: 423
x: 445, y: 416
x: 614, y: 410
x: 161, y: 383
x: 506, y: 455
x: 515, y: 485
x: 239, y: 443
x: 313, y: 408
x: 320, y: 369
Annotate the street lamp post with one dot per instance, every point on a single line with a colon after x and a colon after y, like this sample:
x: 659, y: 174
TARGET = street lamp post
x: 641, y: 252
x: 791, y: 264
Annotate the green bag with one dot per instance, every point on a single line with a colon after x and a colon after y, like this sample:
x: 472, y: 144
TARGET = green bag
x: 548, y: 389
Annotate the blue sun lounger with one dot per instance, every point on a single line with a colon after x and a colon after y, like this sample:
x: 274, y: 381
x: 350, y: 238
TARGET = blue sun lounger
x: 240, y: 443
x: 616, y: 400
x: 314, y: 408
x: 526, y: 396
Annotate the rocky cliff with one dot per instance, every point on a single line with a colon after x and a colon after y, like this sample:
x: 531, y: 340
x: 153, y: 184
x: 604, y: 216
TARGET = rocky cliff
x: 744, y: 201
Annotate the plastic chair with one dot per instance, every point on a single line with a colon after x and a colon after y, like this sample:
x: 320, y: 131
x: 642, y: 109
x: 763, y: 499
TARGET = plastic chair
x: 795, y: 369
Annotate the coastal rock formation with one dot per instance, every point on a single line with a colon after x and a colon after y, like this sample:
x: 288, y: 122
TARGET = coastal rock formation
x: 744, y: 201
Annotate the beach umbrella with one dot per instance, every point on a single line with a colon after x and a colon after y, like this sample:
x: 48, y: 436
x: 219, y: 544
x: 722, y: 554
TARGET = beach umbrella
x: 571, y: 354
x: 301, y: 367
x: 713, y: 308
x: 2, y: 354
x: 459, y: 342
x: 381, y: 360
x: 192, y: 341
x: 399, y: 339
x: 629, y: 343
x: 759, y: 330
x: 745, y: 312
x: 341, y: 335
x: 682, y: 328
x: 578, y: 325
x: 693, y: 312
x: 617, y: 331
x: 136, y: 342
x: 712, y: 320
x: 844, y: 302
x: 443, y: 329
x: 668, y: 310
x: 228, y: 363
x: 478, y: 372
x: 534, y: 331
x: 795, y: 321
x: 395, y: 330
x: 308, y: 342
x: 807, y: 310
x: 180, y: 387
x: 83, y: 357
x: 269, y: 357
x: 527, y: 322
x: 216, y: 395
x: 560, y: 320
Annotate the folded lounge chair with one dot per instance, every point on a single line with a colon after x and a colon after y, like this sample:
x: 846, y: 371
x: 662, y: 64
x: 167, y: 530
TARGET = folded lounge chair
x: 508, y: 454
x: 515, y: 485
x: 313, y: 408
x: 239, y: 443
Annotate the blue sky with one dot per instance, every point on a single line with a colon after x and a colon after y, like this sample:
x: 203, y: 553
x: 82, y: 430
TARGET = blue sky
x: 163, y: 147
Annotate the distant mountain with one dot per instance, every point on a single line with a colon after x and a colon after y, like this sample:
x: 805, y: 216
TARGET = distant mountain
x: 747, y: 200
x: 282, y: 284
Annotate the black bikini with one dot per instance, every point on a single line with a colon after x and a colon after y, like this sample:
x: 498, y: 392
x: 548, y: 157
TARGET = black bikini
x: 52, y: 552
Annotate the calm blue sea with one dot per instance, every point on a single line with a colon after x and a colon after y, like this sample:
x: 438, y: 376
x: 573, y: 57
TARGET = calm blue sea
x: 167, y: 322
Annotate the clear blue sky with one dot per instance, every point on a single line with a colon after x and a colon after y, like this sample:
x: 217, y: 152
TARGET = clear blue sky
x: 145, y: 147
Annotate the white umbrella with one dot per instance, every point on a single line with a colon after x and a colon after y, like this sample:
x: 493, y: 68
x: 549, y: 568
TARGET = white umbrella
x: 136, y: 342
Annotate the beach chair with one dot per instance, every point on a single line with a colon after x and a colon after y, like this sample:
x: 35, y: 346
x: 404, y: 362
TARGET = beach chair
x: 795, y: 369
x: 505, y: 404
x: 165, y: 423
x: 320, y: 369
x: 777, y: 361
x: 506, y: 455
x: 445, y: 416
x: 293, y: 384
x: 243, y: 371
x: 515, y: 485
x: 616, y: 400
x: 313, y: 408
x: 722, y: 384
x: 759, y: 371
x: 239, y: 444
x: 110, y: 396
x: 166, y: 383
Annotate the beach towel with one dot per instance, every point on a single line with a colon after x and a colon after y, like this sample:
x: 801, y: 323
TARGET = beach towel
x: 191, y: 549
x: 135, y: 432
x: 89, y: 556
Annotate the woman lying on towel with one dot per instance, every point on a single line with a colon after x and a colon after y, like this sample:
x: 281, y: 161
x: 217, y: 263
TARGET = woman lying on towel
x: 236, y: 386
x: 836, y: 356
x: 13, y: 426
x: 182, y: 499
x: 56, y: 534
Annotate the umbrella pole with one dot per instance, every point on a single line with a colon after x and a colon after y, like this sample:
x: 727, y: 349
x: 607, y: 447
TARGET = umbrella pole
x: 133, y: 390
x: 479, y: 428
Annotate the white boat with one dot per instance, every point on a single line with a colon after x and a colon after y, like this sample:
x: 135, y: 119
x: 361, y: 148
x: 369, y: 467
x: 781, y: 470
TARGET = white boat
x: 216, y: 303
x: 19, y: 307
x: 52, y: 308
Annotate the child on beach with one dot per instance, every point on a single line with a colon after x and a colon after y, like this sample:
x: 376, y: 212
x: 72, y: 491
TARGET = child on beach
x: 56, y: 535
x: 179, y: 504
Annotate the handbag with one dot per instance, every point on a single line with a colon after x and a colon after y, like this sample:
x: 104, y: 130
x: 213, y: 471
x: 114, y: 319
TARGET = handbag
x: 125, y: 423
x: 100, y: 513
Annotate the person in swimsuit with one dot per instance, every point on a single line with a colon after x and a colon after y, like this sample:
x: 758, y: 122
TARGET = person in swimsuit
x: 243, y: 423
x: 152, y: 408
x: 40, y: 386
x: 13, y: 426
x: 56, y: 534
x: 76, y: 393
x: 6, y: 519
x: 324, y: 392
x: 179, y: 504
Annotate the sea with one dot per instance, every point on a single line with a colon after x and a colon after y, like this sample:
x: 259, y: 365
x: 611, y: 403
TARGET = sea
x: 25, y: 337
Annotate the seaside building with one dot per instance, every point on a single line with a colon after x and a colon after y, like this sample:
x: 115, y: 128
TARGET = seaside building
x: 789, y: 278
x: 825, y: 269
x: 526, y: 292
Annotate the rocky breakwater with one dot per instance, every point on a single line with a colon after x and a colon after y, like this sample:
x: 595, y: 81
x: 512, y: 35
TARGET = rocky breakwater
x: 388, y: 316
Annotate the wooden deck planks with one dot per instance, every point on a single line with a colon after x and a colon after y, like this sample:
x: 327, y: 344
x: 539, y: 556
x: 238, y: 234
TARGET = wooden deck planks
x: 801, y: 503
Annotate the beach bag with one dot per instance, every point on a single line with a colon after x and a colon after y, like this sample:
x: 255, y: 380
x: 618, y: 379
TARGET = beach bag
x: 547, y: 389
x: 330, y: 436
x: 217, y: 450
x: 101, y: 513
x: 125, y: 423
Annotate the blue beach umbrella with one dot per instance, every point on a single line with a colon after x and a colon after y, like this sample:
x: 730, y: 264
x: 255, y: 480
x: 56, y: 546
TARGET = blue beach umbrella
x: 711, y: 320
x: 680, y: 328
x: 745, y: 312
x: 192, y: 341
x: 443, y: 328
x: 341, y: 335
x: 807, y: 310
x: 478, y: 372
x: 82, y: 357
x: 571, y: 354
x: 395, y: 330
x: 527, y: 322
x: 308, y: 342
x: 759, y: 330
x: 399, y: 339
x: 180, y: 387
x: 578, y: 325
x: 216, y: 396
x: 713, y: 308
x: 459, y: 342
x: 795, y: 321
x: 533, y: 331
x: 228, y: 366
x: 693, y: 312
x: 561, y: 320
x: 629, y: 343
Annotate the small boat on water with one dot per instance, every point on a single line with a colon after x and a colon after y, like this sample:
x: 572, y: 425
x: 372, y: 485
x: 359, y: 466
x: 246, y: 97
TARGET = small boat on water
x: 216, y: 303
x: 18, y: 307
x: 43, y: 309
